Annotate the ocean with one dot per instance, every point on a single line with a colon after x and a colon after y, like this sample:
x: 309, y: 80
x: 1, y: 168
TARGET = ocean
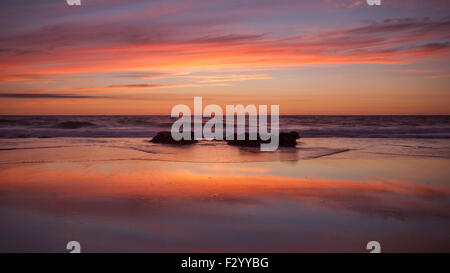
x: 437, y: 127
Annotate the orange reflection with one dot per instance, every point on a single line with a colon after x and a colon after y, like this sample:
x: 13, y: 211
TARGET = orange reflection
x: 222, y: 184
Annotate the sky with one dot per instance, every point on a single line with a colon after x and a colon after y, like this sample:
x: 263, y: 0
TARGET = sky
x: 138, y: 57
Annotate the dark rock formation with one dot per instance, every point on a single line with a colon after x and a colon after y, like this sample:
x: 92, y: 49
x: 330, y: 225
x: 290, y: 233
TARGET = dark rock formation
x: 289, y: 139
x: 286, y: 140
x: 247, y: 142
x: 166, y: 138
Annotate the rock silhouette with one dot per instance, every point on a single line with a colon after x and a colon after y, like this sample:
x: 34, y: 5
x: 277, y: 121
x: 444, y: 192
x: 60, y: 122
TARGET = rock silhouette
x: 286, y: 140
x: 166, y: 138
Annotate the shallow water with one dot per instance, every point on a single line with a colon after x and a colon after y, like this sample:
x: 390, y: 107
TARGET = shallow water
x: 78, y: 149
x: 126, y: 194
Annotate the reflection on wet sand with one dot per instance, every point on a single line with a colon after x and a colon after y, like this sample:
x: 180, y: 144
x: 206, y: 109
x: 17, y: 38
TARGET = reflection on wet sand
x: 156, y: 206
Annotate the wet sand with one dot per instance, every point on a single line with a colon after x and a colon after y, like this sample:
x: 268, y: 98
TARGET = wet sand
x: 124, y: 195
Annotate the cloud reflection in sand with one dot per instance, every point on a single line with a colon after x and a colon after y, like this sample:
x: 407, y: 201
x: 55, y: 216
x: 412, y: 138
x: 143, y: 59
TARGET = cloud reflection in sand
x: 176, y: 206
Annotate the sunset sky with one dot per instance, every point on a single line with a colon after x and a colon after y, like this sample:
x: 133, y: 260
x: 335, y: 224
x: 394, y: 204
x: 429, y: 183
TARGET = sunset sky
x: 145, y: 56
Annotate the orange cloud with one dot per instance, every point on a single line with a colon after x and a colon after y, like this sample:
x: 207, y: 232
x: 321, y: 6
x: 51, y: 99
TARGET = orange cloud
x: 229, y: 77
x: 382, y: 43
